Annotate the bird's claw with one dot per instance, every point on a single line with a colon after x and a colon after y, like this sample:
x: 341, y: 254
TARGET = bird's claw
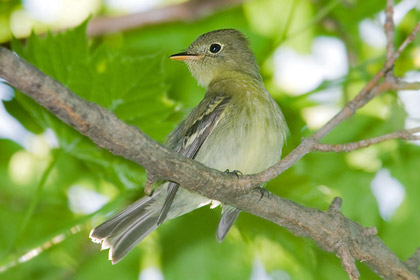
x: 263, y: 192
x: 237, y: 173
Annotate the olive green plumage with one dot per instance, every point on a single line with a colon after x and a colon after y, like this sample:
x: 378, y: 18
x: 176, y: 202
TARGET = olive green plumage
x: 237, y: 126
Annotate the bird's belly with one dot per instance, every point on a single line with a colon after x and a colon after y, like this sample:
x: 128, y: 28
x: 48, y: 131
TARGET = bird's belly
x: 248, y: 148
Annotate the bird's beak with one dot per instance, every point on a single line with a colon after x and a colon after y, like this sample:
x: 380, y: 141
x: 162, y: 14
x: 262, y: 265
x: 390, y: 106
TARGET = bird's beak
x: 186, y: 56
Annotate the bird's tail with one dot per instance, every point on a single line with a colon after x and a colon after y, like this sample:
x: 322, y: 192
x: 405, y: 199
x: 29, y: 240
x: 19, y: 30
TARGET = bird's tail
x: 229, y: 215
x: 127, y: 228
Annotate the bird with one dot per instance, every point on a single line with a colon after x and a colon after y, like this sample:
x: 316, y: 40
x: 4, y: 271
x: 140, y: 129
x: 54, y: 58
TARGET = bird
x: 237, y: 126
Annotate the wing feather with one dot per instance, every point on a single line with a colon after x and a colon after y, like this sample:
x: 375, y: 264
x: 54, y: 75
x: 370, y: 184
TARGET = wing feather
x: 193, y: 139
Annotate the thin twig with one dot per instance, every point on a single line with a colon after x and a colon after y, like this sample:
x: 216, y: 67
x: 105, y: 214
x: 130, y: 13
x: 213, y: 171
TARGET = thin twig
x: 335, y: 205
x: 389, y: 30
x: 362, y: 98
x: 348, y: 262
x: 406, y: 134
x: 407, y: 41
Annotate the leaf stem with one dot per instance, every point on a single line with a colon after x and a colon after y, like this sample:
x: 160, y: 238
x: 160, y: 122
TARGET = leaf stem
x: 34, y: 201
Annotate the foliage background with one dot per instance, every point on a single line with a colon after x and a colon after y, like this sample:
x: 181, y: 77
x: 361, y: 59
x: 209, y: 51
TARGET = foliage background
x: 45, y: 184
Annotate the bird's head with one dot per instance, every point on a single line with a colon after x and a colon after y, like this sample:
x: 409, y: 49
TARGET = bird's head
x: 215, y: 52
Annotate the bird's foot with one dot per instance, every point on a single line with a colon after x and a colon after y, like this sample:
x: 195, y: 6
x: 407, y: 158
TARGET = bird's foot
x: 263, y: 192
x: 237, y: 173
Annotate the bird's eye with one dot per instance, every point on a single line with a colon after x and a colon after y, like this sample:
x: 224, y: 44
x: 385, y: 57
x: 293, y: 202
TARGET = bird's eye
x: 215, y: 48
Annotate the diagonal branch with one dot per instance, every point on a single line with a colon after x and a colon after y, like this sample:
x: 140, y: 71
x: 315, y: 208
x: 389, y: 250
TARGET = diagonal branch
x: 186, y: 11
x: 370, y: 91
x: 330, y: 230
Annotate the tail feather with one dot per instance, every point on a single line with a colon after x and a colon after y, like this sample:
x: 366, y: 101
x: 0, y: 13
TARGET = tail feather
x: 172, y: 190
x: 122, y: 243
x: 229, y: 216
x: 127, y: 228
x: 104, y: 229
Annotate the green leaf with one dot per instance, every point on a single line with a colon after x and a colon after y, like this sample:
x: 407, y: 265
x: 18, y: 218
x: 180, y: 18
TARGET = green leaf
x: 132, y: 87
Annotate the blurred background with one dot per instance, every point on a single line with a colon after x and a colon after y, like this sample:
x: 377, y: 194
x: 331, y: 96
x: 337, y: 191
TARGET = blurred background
x: 55, y: 185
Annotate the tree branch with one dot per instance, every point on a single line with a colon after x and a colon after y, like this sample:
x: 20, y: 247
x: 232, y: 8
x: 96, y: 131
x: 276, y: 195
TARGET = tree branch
x: 187, y: 11
x: 371, y: 90
x: 329, y: 229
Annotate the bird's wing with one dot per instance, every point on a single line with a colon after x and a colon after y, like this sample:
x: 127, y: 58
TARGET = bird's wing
x: 208, y: 117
